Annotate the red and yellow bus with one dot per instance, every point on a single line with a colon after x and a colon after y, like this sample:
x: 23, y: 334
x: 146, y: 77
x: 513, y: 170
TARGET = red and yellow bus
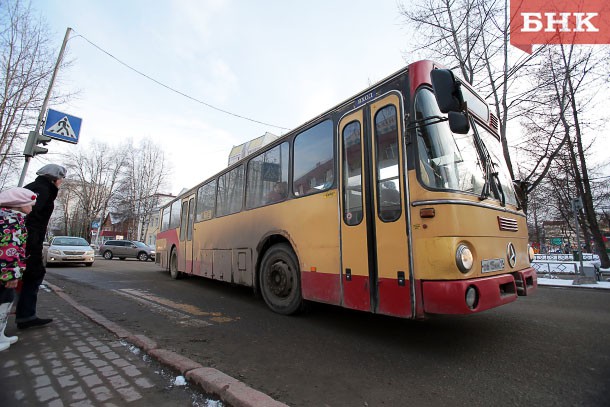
x: 396, y: 201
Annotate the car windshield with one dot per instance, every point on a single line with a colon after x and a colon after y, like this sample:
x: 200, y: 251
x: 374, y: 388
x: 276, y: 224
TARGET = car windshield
x: 449, y: 161
x: 69, y: 241
x: 140, y: 244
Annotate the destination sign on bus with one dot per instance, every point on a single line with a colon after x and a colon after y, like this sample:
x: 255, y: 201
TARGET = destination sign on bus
x: 475, y: 104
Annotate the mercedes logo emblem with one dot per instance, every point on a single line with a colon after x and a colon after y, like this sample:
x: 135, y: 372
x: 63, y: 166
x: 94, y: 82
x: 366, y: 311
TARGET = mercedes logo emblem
x: 511, y: 255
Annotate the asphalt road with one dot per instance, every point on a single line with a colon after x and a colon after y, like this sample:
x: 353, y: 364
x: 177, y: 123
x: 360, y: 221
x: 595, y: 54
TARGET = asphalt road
x: 550, y: 349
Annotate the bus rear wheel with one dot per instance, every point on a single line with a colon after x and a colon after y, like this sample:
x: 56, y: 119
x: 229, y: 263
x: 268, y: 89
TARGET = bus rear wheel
x: 173, y: 266
x: 280, y: 280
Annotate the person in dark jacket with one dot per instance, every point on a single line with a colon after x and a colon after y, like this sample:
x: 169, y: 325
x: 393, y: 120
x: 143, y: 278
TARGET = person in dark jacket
x: 46, y: 186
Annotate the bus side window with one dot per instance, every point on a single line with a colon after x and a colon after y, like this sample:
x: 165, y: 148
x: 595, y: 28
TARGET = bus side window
x: 206, y: 199
x: 230, y: 192
x: 267, y: 179
x: 386, y: 148
x: 314, y: 160
x: 352, y: 174
x: 174, y: 220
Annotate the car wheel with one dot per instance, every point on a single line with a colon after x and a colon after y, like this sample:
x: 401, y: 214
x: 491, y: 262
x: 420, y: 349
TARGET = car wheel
x: 280, y: 280
x: 173, y: 266
x: 143, y: 256
x: 108, y: 255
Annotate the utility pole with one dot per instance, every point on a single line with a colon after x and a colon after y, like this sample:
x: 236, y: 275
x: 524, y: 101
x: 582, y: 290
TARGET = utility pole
x: 581, y: 277
x: 36, y: 133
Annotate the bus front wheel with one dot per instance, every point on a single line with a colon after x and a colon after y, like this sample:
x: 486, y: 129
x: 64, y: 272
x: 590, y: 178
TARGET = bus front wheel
x: 173, y: 266
x: 280, y: 280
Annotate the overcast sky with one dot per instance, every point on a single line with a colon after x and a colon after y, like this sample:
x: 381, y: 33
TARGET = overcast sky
x: 274, y: 61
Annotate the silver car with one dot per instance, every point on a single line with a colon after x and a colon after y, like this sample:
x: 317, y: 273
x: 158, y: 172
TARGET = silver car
x: 68, y: 249
x: 126, y: 248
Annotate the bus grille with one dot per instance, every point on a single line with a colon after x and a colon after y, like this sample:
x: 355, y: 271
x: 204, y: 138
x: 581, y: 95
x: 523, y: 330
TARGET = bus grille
x: 508, y: 224
x: 493, y: 121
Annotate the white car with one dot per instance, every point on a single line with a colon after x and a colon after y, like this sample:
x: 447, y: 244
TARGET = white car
x: 68, y: 249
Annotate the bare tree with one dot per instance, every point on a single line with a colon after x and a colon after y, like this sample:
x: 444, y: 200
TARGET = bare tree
x: 94, y: 174
x: 145, y: 175
x: 26, y: 64
x: 568, y: 79
x: 472, y: 36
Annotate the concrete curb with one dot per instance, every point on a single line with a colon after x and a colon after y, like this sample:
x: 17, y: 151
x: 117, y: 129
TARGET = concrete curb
x: 573, y: 286
x: 211, y: 381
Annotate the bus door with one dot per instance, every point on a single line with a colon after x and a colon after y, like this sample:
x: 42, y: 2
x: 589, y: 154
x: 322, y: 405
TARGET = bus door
x: 185, y: 258
x: 374, y: 243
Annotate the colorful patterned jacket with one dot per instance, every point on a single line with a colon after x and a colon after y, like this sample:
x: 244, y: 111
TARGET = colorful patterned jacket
x: 13, y: 236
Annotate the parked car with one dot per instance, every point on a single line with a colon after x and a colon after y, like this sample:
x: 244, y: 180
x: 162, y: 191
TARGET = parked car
x: 126, y: 248
x: 68, y: 249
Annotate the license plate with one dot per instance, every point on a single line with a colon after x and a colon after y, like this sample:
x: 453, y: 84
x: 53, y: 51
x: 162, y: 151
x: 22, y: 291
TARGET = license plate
x: 489, y: 265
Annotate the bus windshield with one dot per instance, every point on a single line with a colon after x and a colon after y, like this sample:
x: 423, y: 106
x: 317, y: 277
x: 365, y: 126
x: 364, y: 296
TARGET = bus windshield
x: 449, y: 161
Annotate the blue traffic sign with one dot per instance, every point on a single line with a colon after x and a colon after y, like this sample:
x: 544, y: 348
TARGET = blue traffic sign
x: 62, y: 126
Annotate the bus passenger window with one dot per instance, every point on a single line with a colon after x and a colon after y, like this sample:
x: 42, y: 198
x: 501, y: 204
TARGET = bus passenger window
x: 206, y: 200
x: 165, y: 219
x: 314, y: 160
x: 174, y: 220
x: 386, y: 147
x: 267, y: 180
x: 230, y: 192
x: 352, y: 174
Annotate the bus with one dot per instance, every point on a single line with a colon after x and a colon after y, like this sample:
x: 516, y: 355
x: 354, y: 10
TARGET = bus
x: 396, y: 201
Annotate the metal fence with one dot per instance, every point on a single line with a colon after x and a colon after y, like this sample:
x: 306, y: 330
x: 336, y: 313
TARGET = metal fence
x: 554, y: 268
x: 566, y: 257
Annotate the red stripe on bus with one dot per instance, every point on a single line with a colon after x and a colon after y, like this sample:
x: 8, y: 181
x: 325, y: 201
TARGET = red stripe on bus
x: 449, y: 297
x: 321, y: 287
x: 394, y: 299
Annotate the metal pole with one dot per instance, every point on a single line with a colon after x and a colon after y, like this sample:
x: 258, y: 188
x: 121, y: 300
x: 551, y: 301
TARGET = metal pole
x: 581, y: 276
x: 45, y: 103
x: 581, y: 271
x: 24, y: 171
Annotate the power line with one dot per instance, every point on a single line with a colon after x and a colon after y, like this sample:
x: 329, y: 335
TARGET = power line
x: 175, y: 90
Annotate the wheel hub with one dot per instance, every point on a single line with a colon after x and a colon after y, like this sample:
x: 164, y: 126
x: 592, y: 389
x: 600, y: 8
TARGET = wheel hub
x: 278, y: 279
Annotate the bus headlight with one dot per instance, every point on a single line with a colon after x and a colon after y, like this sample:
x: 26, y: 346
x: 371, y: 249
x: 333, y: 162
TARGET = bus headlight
x: 531, y: 253
x: 464, y: 258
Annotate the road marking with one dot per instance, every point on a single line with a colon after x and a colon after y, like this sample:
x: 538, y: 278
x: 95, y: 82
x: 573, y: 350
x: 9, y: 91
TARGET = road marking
x: 184, y: 312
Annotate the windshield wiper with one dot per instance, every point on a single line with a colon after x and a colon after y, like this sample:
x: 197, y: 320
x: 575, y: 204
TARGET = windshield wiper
x: 490, y: 174
x: 425, y: 122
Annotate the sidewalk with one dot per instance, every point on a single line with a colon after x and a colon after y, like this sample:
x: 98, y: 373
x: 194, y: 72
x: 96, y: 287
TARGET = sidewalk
x: 83, y: 359
x: 558, y: 282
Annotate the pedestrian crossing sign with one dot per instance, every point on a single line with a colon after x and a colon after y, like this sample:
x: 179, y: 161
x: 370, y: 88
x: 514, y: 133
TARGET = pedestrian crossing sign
x: 62, y: 126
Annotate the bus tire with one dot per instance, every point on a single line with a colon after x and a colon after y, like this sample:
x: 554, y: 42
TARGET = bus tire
x: 280, y: 280
x: 173, y: 266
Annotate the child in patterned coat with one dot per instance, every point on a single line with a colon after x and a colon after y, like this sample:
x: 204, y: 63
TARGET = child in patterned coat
x: 15, y: 203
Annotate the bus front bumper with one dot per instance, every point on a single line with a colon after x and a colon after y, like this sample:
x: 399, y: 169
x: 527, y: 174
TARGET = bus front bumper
x: 476, y: 295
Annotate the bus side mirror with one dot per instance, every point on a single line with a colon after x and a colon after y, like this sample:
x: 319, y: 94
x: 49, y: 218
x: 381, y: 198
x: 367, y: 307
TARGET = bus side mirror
x: 459, y: 123
x: 447, y: 91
